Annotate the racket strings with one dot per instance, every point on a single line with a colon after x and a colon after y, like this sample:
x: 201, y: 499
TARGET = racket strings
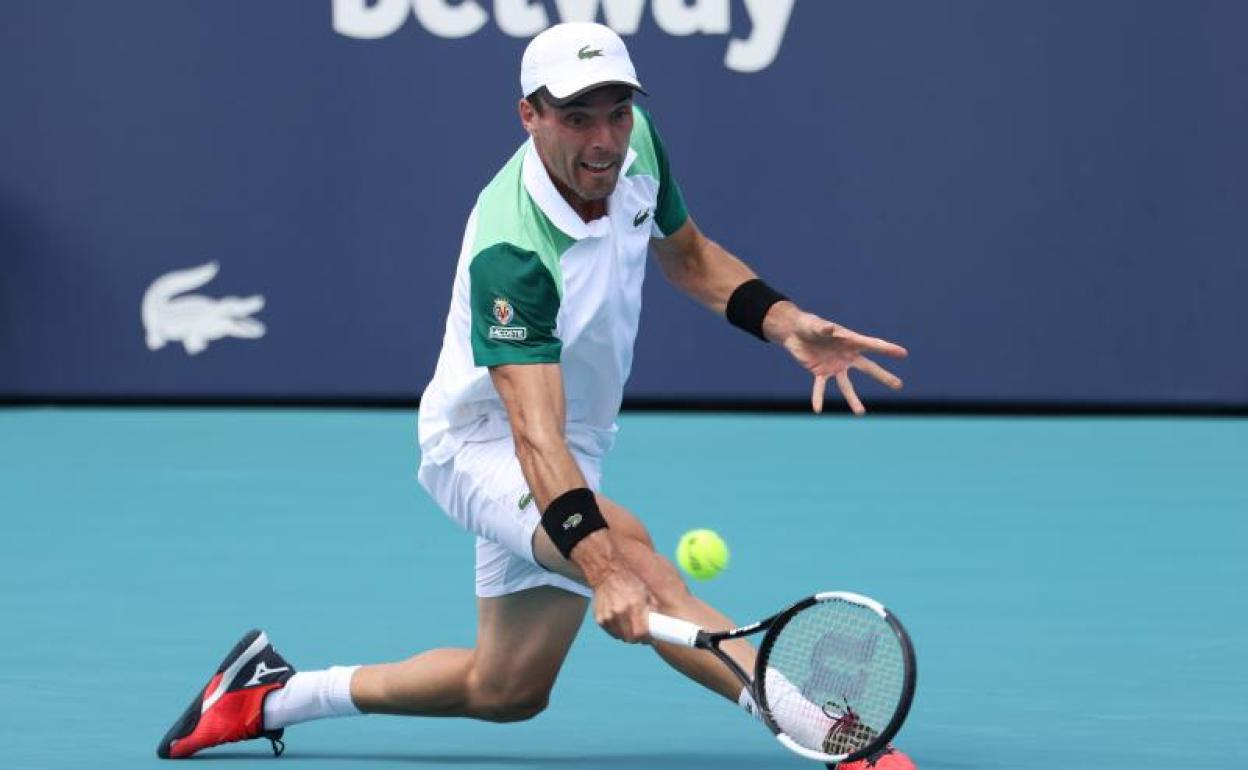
x: 835, y: 677
x: 841, y: 722
x: 848, y: 734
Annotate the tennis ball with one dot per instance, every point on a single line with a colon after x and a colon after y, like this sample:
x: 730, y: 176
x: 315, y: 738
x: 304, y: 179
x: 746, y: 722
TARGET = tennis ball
x: 702, y: 553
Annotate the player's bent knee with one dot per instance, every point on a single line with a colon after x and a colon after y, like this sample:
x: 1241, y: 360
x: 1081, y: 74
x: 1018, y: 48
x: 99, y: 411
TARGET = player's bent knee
x: 515, y: 708
x: 507, y: 703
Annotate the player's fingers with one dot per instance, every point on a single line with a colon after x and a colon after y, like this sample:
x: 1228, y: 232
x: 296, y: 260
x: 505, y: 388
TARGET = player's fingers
x: 878, y: 372
x: 615, y: 627
x: 847, y: 390
x: 816, y: 393
x: 883, y: 347
x: 627, y: 628
x: 639, y: 630
x: 626, y: 623
x: 606, y: 620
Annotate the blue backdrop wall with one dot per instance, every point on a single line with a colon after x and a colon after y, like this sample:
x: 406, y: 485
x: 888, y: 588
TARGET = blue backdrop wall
x: 1044, y: 200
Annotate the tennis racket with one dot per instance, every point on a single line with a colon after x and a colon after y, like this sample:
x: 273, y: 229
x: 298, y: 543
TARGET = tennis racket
x: 834, y: 676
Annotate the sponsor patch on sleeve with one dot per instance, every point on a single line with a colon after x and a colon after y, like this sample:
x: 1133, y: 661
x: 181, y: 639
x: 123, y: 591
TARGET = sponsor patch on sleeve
x: 509, y: 332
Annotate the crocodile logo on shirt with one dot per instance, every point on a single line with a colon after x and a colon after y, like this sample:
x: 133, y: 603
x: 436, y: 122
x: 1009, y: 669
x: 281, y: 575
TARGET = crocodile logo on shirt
x: 641, y: 217
x: 525, y: 499
x: 588, y: 53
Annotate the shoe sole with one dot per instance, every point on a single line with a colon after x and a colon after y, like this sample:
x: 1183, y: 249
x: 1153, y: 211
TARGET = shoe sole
x: 189, y: 720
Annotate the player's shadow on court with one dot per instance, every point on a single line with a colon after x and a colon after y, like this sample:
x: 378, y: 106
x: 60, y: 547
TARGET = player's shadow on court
x: 657, y: 761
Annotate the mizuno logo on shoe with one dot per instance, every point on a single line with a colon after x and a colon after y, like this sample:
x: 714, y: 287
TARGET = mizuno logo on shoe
x: 234, y: 669
x: 262, y: 671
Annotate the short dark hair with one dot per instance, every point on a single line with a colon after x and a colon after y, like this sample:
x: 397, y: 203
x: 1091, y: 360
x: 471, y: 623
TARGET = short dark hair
x: 542, y: 97
x: 538, y: 99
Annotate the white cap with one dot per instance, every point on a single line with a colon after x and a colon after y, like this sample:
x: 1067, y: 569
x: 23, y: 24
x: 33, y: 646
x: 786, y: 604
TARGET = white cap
x: 570, y: 59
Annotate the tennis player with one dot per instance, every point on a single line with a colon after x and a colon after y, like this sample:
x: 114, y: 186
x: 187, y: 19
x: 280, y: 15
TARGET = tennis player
x: 521, y: 411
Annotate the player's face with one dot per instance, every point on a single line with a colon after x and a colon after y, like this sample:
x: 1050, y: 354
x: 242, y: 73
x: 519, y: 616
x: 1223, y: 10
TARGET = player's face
x: 583, y: 143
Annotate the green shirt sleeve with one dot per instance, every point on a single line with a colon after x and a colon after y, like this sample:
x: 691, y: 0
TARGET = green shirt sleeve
x: 515, y: 308
x: 670, y: 213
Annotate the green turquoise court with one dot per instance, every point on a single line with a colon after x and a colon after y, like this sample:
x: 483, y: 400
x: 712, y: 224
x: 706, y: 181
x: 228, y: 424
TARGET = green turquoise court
x: 1075, y: 587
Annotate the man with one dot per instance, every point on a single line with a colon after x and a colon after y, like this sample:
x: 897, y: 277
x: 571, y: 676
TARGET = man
x: 521, y: 411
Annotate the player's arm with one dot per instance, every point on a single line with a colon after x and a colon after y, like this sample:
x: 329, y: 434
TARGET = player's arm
x: 534, y: 398
x: 709, y: 273
x: 515, y: 303
x: 726, y: 285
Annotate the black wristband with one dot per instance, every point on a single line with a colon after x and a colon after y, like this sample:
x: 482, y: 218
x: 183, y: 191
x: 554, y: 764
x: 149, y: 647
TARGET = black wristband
x: 572, y: 517
x: 748, y: 306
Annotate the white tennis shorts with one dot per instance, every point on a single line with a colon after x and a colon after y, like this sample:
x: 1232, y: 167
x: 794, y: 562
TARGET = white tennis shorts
x: 483, y: 489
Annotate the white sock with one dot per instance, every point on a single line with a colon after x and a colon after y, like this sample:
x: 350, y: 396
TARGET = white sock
x: 806, y: 722
x: 746, y: 701
x: 311, y: 695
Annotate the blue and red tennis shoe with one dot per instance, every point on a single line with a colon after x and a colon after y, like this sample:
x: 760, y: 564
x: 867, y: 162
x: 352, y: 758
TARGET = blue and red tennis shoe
x: 231, y: 707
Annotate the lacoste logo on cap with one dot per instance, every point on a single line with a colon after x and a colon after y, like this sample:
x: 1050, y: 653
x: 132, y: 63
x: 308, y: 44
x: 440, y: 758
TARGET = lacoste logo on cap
x: 588, y: 53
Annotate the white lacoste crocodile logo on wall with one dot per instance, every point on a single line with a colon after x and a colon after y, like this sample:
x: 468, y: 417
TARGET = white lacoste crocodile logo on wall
x: 193, y: 319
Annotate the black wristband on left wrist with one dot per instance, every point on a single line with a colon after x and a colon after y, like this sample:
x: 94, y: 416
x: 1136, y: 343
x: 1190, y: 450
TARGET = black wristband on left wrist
x: 748, y: 306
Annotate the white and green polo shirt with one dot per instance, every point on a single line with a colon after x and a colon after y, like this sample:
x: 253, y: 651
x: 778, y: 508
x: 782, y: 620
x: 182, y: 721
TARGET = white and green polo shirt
x: 536, y: 284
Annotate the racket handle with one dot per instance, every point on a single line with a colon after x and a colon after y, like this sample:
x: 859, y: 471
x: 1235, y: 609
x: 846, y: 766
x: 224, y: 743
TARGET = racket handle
x: 673, y: 631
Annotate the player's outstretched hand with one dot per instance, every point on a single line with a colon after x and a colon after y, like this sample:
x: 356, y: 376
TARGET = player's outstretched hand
x: 829, y: 351
x: 622, y: 606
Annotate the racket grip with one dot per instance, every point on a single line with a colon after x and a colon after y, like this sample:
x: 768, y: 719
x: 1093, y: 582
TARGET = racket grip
x: 673, y: 631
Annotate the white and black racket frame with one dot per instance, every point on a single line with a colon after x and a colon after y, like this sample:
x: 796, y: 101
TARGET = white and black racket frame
x: 686, y: 634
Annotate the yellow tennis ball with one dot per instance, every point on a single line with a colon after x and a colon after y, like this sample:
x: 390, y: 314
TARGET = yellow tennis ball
x: 702, y: 553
